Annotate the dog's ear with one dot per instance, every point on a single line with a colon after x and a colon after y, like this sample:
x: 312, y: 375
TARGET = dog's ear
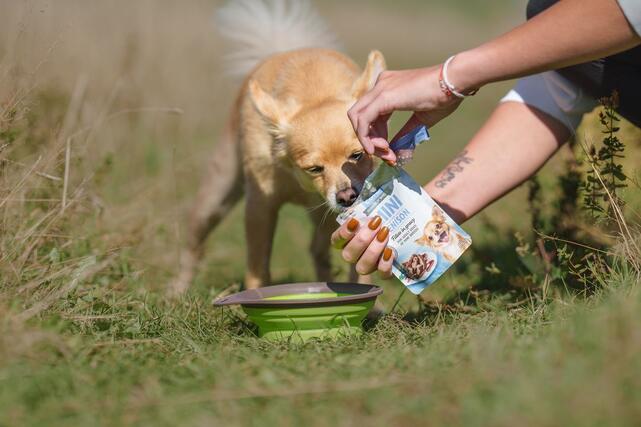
x: 438, y: 214
x: 375, y: 66
x: 422, y: 241
x: 277, y: 114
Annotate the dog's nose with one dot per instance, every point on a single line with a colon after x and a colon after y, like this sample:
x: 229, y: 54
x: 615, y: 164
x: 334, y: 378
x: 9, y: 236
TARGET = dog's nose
x: 345, y: 198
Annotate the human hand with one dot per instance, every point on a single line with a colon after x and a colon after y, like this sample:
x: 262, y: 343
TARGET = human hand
x: 365, y: 246
x: 415, y: 90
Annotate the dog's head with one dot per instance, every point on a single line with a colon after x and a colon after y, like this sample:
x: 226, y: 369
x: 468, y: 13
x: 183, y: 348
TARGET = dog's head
x: 318, y: 141
x: 436, y: 233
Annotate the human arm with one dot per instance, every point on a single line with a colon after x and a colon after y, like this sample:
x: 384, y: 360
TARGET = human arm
x: 511, y: 146
x: 570, y: 32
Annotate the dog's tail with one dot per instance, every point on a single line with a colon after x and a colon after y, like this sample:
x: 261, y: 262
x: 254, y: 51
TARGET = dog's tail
x: 256, y: 29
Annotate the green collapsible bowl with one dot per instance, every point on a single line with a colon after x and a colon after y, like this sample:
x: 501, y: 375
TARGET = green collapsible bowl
x: 306, y: 310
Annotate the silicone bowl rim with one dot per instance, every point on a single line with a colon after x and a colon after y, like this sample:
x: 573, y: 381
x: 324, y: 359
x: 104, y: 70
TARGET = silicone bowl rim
x: 256, y: 298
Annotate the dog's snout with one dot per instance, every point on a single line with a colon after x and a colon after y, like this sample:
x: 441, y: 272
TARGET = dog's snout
x: 346, y: 198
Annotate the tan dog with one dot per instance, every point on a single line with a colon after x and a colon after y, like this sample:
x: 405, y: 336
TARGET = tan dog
x: 288, y: 139
x: 439, y: 235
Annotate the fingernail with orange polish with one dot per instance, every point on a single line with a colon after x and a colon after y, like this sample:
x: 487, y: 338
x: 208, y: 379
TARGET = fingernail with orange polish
x: 387, y: 254
x: 374, y: 223
x: 352, y: 225
x: 382, y: 234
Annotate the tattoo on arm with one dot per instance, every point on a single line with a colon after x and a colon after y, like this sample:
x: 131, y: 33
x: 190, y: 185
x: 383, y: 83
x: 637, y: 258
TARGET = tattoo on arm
x: 456, y: 166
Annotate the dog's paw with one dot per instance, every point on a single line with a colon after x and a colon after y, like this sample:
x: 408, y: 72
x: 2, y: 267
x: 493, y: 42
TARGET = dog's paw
x: 176, y: 288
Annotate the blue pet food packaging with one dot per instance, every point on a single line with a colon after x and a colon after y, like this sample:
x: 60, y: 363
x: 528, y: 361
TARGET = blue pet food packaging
x: 425, y: 240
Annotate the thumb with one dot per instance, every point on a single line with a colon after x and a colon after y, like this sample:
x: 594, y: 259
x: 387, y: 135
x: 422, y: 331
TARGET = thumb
x: 409, y: 126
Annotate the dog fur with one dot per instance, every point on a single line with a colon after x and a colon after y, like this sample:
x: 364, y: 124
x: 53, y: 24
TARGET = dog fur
x: 288, y: 139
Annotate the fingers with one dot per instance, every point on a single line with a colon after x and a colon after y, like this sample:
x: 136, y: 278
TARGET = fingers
x: 369, y: 116
x: 410, y: 125
x: 388, y: 156
x: 355, y: 118
x: 378, y: 134
x: 365, y: 132
x: 344, y: 233
x: 365, y: 246
x: 380, y: 126
x: 369, y: 260
x: 364, y: 101
x: 359, y: 243
x: 385, y: 263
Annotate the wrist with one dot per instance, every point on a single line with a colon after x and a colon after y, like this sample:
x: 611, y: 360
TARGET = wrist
x: 465, y: 72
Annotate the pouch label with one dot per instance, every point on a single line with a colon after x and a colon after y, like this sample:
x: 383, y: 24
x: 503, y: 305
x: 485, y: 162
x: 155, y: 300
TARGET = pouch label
x: 425, y: 240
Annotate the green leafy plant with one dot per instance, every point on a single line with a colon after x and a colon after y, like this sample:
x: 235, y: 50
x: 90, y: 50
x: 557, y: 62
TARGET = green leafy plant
x: 566, y: 251
x: 605, y: 173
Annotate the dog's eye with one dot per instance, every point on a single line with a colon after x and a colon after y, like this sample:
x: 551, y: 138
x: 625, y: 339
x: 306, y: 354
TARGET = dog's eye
x: 356, y: 156
x: 315, y: 170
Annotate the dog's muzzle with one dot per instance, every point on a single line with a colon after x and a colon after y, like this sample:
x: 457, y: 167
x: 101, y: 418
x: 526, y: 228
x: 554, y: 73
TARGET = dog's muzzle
x: 346, y: 198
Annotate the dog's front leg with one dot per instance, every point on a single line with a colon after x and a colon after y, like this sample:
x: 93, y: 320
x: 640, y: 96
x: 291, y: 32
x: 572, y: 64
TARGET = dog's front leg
x: 354, y: 277
x: 320, y: 250
x: 261, y: 214
x: 321, y: 240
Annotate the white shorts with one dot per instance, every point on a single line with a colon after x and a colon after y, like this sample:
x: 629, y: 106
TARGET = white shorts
x: 555, y: 95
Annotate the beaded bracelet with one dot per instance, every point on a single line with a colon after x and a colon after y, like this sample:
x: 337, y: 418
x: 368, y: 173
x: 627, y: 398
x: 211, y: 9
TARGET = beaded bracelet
x: 447, y: 87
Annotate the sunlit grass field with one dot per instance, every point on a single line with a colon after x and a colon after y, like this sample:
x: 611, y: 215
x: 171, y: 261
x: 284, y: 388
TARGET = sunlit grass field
x: 108, y: 114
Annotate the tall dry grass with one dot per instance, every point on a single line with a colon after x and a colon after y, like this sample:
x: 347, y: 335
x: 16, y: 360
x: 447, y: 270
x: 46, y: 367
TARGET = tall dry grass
x: 109, y: 111
x: 91, y: 93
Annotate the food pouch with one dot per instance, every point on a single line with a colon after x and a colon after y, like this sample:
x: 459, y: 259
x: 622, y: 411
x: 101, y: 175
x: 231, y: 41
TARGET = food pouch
x: 425, y: 240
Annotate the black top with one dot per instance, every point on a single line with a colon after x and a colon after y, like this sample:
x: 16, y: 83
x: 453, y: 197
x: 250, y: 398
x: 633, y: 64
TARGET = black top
x: 620, y: 72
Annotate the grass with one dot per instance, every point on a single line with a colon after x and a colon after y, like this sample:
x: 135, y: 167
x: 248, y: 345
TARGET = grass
x: 123, y: 358
x: 87, y: 336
